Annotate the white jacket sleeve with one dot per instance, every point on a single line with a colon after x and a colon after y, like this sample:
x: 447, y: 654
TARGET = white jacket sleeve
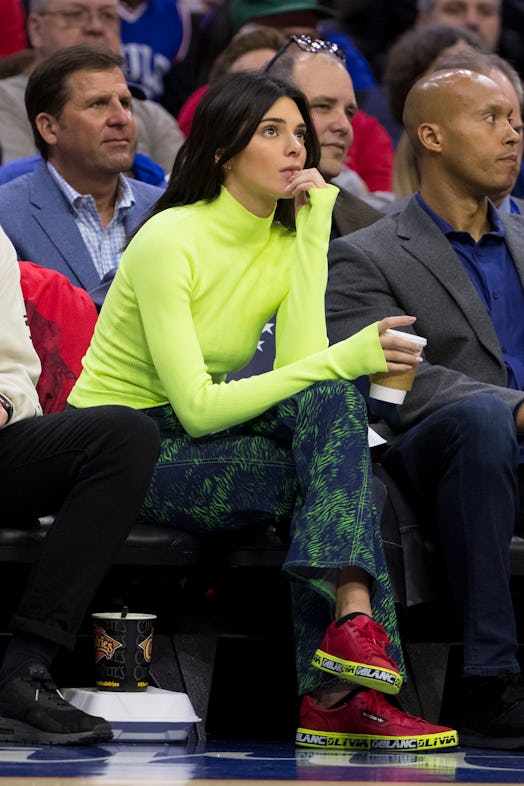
x: 19, y: 363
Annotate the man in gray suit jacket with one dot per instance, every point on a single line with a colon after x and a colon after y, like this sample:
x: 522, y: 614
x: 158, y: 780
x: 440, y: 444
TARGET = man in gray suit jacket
x: 452, y: 261
x: 74, y: 213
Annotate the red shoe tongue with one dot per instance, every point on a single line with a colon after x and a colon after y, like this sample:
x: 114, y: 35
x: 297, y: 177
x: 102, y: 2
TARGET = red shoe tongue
x: 379, y: 634
x: 378, y: 705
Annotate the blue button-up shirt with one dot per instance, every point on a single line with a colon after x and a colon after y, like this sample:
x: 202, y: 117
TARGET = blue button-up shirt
x: 492, y: 271
x: 104, y: 244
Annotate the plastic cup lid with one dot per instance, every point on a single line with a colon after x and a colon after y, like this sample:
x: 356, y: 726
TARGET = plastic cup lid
x: 408, y: 336
x: 117, y: 615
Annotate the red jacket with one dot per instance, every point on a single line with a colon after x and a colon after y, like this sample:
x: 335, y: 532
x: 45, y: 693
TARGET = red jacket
x: 371, y: 154
x: 61, y: 319
x: 12, y: 27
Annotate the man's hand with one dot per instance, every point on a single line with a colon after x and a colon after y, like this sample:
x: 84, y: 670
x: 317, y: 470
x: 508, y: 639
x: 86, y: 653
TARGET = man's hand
x: 3, y: 417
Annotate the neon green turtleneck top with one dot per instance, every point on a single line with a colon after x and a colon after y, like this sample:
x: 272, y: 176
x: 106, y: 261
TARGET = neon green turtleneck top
x: 192, y: 294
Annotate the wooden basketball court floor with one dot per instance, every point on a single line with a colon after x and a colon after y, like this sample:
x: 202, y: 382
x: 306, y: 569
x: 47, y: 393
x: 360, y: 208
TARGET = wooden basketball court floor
x: 238, y: 753
x: 254, y: 764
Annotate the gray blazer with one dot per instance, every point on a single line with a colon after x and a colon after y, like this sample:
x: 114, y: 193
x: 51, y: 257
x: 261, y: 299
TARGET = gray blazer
x: 404, y: 264
x: 351, y: 213
x: 38, y: 220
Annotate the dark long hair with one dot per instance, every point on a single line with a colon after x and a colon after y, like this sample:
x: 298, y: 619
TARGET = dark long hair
x: 225, y: 120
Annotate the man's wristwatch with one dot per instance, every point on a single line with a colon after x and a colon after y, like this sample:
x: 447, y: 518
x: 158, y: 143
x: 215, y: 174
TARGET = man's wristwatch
x: 6, y: 404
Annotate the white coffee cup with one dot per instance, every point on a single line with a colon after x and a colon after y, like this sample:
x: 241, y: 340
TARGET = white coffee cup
x: 392, y: 388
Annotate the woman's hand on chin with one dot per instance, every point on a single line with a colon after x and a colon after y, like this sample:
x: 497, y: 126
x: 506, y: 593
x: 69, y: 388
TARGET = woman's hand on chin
x: 301, y: 183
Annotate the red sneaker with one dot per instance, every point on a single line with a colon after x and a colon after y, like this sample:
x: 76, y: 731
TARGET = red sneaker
x: 368, y: 722
x: 356, y: 652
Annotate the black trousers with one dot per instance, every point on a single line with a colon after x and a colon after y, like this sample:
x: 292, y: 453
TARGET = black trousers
x: 91, y: 468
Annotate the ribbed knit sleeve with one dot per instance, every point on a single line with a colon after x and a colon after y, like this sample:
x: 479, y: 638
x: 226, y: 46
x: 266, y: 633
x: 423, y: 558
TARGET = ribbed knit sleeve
x: 301, y: 323
x: 216, y: 407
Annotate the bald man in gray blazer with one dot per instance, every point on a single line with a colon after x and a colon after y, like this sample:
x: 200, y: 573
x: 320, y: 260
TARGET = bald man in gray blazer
x: 457, y: 265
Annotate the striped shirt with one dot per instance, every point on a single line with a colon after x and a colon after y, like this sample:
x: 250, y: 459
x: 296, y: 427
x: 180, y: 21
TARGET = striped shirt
x: 104, y: 244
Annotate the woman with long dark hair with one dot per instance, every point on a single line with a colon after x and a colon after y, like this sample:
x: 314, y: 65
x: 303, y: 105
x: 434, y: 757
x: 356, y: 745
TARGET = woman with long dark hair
x: 240, y: 234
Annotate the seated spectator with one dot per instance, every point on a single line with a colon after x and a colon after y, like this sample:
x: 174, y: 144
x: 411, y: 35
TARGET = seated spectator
x: 90, y: 468
x: 482, y: 17
x: 372, y: 163
x: 74, y: 212
x: 291, y: 442
x: 371, y: 155
x: 415, y: 52
x: 410, y: 57
x: 56, y: 24
x: 155, y: 34
x: 407, y: 177
x: 457, y: 443
x: 495, y: 66
x: 318, y: 70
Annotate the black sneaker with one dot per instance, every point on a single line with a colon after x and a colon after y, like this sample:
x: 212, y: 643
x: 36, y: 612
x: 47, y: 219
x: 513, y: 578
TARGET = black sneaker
x: 33, y: 712
x: 493, y: 712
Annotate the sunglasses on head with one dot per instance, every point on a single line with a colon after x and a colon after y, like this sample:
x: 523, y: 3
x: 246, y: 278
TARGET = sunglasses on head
x: 307, y: 44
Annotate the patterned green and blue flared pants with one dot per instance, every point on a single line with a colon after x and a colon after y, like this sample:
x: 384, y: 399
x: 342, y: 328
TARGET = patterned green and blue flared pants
x: 307, y: 456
